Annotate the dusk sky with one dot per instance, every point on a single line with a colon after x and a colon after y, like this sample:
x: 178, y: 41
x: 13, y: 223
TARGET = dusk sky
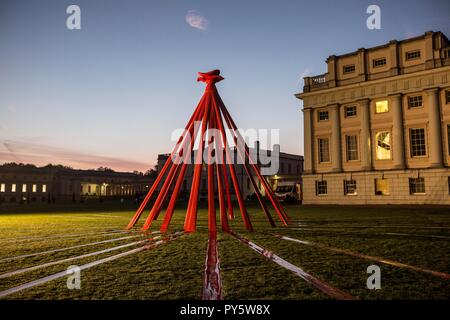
x: 111, y: 93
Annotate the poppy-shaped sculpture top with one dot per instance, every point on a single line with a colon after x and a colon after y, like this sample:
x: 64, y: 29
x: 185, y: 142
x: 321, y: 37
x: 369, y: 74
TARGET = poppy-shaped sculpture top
x: 210, y: 77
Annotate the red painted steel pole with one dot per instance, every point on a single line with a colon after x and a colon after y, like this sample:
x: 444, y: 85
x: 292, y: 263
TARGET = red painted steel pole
x: 191, y: 216
x: 164, y: 169
x: 278, y: 208
x: 212, y: 223
x: 220, y: 191
x: 241, y: 203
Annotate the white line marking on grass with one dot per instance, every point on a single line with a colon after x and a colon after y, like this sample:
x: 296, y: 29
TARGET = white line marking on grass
x: 372, y: 233
x: 67, y: 248
x: 88, y: 265
x: 316, y: 282
x: 48, y: 264
x: 85, y: 235
x: 367, y: 257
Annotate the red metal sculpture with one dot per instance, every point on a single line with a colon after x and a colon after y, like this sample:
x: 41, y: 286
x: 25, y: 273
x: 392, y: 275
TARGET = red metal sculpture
x: 211, y: 112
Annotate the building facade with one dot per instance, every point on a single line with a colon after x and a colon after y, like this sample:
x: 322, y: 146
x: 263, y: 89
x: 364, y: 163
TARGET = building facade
x: 26, y: 183
x: 290, y: 169
x: 377, y: 125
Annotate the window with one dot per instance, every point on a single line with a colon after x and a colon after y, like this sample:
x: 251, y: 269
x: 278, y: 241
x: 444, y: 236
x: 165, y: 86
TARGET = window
x: 24, y: 187
x: 350, y: 187
x: 350, y: 111
x: 411, y: 55
x: 414, y: 101
x: 34, y: 188
x: 383, y: 145
x: 379, y: 62
x: 289, y: 168
x: 417, y: 141
x: 447, y: 97
x: 13, y: 187
x: 321, y: 188
x: 323, y: 115
x: 2, y: 187
x: 44, y: 188
x: 416, y: 185
x: 351, y: 143
x: 282, y: 168
x: 324, y: 152
x: 381, y: 187
x: 381, y: 106
x: 349, y: 68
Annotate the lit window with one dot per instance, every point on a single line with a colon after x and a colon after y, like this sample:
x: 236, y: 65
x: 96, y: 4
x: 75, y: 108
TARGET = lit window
x: 321, y: 188
x: 13, y: 187
x: 416, y: 185
x: 323, y: 115
x: 44, y: 188
x: 414, y: 101
x: 349, y: 68
x: 379, y: 62
x: 383, y: 145
x: 350, y: 111
x: 34, y: 188
x: 324, y: 152
x: 417, y: 140
x: 352, y: 147
x: 350, y: 187
x: 381, y: 187
x: 411, y: 55
x: 24, y: 187
x: 381, y: 106
x: 2, y: 187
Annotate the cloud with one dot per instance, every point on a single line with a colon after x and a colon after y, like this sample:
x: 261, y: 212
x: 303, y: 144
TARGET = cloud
x: 196, y: 20
x: 40, y: 155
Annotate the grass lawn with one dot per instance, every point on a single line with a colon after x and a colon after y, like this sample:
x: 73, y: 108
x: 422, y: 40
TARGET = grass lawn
x: 416, y: 236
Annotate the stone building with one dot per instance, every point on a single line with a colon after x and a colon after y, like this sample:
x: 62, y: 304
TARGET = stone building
x: 377, y: 125
x: 27, y: 183
x: 290, y: 169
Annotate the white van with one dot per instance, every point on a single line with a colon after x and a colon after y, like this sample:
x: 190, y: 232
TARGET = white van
x: 289, y: 191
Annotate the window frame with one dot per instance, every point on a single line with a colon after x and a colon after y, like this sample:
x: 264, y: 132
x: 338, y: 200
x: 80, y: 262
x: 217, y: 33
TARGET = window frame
x: 346, y: 108
x: 376, y: 107
x: 411, y: 143
x: 348, y: 66
x: 376, y: 145
x: 375, y: 60
x: 319, y: 149
x: 355, y: 150
x: 323, y: 188
x: 388, y: 187
x: 346, y: 187
x: 408, y: 55
x: 411, y: 103
x: 413, y: 183
x: 320, y: 112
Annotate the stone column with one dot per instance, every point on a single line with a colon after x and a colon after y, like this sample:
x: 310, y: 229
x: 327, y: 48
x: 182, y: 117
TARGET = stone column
x: 366, y: 141
x: 336, y: 154
x: 434, y: 128
x: 398, y: 141
x: 308, y: 141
